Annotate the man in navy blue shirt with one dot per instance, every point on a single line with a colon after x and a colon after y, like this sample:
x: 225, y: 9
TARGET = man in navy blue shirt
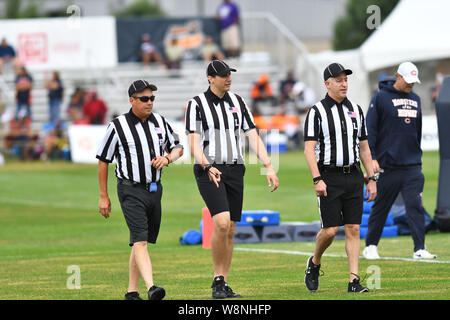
x: 7, y: 54
x: 24, y: 85
x: 394, y: 125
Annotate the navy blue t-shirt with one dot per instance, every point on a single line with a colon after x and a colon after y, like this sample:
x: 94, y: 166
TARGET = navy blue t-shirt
x: 7, y: 51
x: 56, y: 94
x: 23, y: 96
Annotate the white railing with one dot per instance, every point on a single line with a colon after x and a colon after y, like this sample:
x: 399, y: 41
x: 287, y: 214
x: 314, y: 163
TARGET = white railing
x: 263, y: 31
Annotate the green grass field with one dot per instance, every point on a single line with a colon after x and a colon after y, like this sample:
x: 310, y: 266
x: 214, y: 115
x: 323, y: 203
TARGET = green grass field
x: 49, y: 221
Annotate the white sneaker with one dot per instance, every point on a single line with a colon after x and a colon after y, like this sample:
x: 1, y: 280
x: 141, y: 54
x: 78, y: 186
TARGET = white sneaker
x: 423, y: 254
x: 371, y: 252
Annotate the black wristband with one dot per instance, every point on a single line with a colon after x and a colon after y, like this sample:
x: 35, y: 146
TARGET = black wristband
x: 168, y: 160
x: 373, y: 178
x: 207, y: 167
x: 317, y: 179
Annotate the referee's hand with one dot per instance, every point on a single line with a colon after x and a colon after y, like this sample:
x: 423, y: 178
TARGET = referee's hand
x: 214, y: 175
x: 321, y: 188
x: 159, y: 162
x: 272, y: 180
x: 104, y: 206
x: 371, y: 190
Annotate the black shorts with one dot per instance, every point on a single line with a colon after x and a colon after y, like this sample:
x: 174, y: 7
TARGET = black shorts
x: 344, y: 201
x: 230, y: 193
x: 142, y: 211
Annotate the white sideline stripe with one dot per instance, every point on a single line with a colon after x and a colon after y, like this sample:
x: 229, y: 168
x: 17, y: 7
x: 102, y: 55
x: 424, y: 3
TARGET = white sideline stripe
x: 28, y: 202
x: 300, y: 253
x: 60, y: 255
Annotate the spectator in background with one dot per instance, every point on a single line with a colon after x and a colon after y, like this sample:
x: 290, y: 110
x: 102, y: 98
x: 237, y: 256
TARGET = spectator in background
x: 21, y: 140
x: 55, y: 95
x: 286, y: 86
x: 261, y: 122
x: 76, y: 103
x: 56, y: 143
x: 228, y: 15
x: 211, y: 51
x: 148, y: 51
x: 287, y: 124
x: 24, y: 84
x: 7, y: 55
x: 94, y: 109
x: 303, y: 97
x: 262, y: 91
x: 174, y: 54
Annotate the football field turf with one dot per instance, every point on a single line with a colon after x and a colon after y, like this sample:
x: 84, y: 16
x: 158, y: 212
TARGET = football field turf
x: 50, y: 226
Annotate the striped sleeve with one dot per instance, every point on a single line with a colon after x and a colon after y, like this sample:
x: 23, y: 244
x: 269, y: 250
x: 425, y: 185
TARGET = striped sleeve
x: 247, y: 117
x: 107, y: 147
x: 193, y: 118
x: 362, y: 132
x: 312, y: 127
x: 172, y: 138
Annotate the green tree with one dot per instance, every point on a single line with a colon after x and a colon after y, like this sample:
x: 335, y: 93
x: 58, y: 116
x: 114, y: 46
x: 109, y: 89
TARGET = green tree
x: 352, y: 30
x: 12, y: 9
x: 30, y: 11
x: 140, y: 8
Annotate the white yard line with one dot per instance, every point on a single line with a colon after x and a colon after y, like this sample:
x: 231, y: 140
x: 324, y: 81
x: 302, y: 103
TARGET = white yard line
x: 300, y: 253
x: 37, y: 203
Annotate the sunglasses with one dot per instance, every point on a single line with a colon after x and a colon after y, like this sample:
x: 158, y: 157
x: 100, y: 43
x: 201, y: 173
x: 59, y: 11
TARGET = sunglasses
x: 146, y: 98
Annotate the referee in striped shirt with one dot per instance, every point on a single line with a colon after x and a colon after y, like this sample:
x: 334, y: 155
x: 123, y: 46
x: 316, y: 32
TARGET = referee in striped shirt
x: 138, y: 141
x: 217, y: 122
x: 335, y: 138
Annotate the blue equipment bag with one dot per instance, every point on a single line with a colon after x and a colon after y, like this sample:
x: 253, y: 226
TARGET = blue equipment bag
x: 191, y: 237
x: 259, y: 218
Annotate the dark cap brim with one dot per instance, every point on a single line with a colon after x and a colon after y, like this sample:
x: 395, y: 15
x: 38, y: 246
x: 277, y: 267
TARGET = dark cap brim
x: 226, y: 72
x: 223, y: 73
x: 346, y: 71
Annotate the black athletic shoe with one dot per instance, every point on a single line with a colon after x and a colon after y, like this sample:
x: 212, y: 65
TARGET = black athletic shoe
x: 132, y: 296
x: 156, y: 293
x: 355, y: 286
x: 218, y: 288
x: 230, y: 292
x: 312, y: 275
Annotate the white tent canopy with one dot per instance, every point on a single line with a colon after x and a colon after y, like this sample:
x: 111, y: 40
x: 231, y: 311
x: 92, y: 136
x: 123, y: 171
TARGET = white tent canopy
x: 416, y: 30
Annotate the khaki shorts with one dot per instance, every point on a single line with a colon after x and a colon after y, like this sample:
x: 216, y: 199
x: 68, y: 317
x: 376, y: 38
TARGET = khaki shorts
x: 230, y: 37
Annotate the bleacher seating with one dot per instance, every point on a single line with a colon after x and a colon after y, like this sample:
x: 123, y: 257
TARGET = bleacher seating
x: 175, y: 87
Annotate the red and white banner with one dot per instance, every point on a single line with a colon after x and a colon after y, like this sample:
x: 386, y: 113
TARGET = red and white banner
x: 59, y: 43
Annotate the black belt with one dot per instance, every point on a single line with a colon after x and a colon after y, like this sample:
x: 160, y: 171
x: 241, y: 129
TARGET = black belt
x: 227, y: 163
x: 127, y: 182
x: 343, y: 169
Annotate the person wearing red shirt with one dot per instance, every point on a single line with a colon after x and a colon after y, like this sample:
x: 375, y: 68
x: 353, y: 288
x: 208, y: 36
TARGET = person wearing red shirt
x: 94, y: 109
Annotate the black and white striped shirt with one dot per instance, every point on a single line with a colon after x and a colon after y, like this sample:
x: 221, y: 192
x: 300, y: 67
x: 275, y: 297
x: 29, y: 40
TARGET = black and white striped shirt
x: 220, y: 123
x: 338, y: 128
x: 134, y: 144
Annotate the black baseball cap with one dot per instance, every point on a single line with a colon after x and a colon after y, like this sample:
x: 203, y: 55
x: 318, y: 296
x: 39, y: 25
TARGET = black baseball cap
x: 218, y: 68
x: 139, y: 85
x: 333, y: 70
